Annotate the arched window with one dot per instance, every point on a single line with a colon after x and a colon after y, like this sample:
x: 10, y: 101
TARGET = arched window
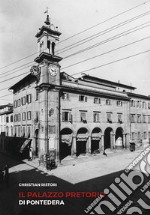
x: 53, y: 48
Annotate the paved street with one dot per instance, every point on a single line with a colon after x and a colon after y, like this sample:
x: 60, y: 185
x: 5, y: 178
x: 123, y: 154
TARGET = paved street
x: 94, y: 174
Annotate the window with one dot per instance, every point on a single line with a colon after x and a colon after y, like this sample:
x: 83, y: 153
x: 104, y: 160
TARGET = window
x: 132, y: 118
x: 83, y: 116
x: 29, y: 130
x: 133, y: 136
x: 82, y: 98
x: 7, y: 119
x: 18, y: 131
x: 23, y: 131
x: 143, y: 105
x: 15, y: 117
x: 145, y: 135
x: 120, y: 117
x: 28, y: 98
x: 138, y: 104
x: 23, y: 100
x: 108, y: 102
x: 66, y: 116
x: 109, y: 117
x: 132, y: 103
x: 149, y: 105
x: 96, y: 116
x: 97, y: 100
x: 37, y: 94
x: 149, y: 135
x: 15, y: 104
x: 24, y: 116
x: 11, y: 118
x: 19, y: 102
x: 148, y: 119
x: 138, y: 118
x: 139, y: 135
x: 65, y: 96
x: 29, y: 115
x: 144, y: 119
x: 51, y: 129
x: 119, y: 103
x: 19, y: 117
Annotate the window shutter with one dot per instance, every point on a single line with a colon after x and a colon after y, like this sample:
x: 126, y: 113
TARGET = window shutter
x: 70, y: 117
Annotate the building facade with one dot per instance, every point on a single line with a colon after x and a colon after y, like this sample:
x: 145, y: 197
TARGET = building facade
x: 6, y: 119
x: 75, y: 115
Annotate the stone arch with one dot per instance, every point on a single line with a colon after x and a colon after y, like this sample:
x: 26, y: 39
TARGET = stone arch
x: 95, y: 140
x: 65, y: 142
x: 82, y: 141
x: 119, y: 138
x: 108, y: 138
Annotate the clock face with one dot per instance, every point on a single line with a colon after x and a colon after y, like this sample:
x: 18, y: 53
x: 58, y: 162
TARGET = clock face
x: 53, y: 69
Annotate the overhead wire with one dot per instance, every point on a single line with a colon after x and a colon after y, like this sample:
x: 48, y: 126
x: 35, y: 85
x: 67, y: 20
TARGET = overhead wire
x: 119, y: 14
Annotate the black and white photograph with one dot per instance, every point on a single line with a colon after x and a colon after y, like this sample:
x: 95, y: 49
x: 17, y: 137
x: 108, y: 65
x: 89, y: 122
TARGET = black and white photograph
x: 74, y: 107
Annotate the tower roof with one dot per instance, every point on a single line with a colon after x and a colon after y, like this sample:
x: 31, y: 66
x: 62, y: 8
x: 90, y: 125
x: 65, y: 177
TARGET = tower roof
x: 48, y: 30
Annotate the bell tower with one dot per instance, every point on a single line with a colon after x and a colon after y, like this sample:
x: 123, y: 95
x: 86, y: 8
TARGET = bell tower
x: 48, y: 87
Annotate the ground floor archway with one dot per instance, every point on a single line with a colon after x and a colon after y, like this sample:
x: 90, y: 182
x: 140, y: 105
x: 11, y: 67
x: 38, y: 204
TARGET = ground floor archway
x: 95, y: 140
x: 108, y: 138
x: 65, y: 142
x: 119, y: 138
x: 82, y: 138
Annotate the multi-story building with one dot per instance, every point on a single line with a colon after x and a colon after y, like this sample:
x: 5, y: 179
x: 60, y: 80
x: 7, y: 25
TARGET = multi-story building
x: 6, y: 119
x: 75, y: 115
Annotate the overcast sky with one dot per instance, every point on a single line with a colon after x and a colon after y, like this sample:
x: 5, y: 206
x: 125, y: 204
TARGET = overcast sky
x: 21, y: 19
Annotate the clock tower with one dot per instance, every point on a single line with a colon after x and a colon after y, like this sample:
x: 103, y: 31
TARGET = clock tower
x: 48, y: 88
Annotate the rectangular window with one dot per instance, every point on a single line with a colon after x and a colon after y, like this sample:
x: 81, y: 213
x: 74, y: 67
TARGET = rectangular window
x: 18, y: 131
x: 132, y: 103
x: 148, y: 135
x: 132, y: 118
x: 139, y: 135
x: 19, y: 117
x: 23, y: 100
x: 96, y: 116
x: 37, y: 95
x: 133, y: 135
x: 28, y: 98
x: 11, y: 118
x: 66, y: 116
x: 109, y: 117
x: 149, y: 105
x: 29, y: 115
x: 143, y: 105
x: 24, y: 116
x: 148, y: 119
x: 138, y: 118
x: 97, y: 100
x: 65, y: 96
x: 108, y: 102
x: 83, y: 117
x: 19, y: 102
x: 7, y: 119
x: 51, y: 129
x: 119, y: 103
x: 145, y: 135
x: 15, y: 117
x: 82, y: 98
x: 144, y: 119
x: 120, y: 117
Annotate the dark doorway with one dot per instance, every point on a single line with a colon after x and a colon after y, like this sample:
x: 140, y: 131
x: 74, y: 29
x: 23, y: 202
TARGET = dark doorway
x: 65, y: 143
x: 119, y: 137
x: 95, y: 140
x: 82, y: 137
x: 107, y: 138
